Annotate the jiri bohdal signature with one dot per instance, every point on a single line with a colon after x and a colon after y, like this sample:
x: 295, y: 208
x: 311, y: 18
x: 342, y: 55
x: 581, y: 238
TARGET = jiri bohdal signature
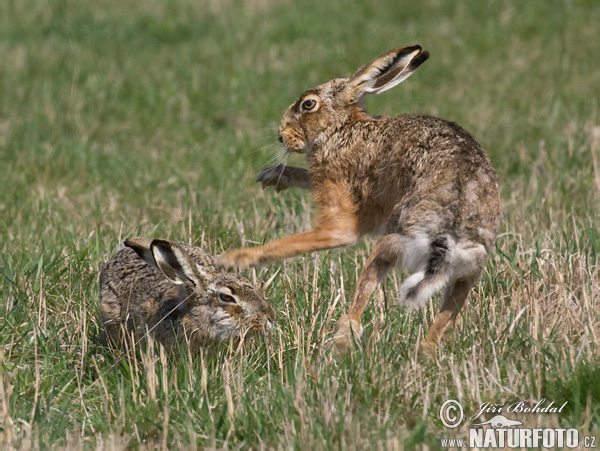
x: 519, y: 407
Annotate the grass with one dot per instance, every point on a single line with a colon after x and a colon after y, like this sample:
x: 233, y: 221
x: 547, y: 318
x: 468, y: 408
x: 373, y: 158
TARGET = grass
x: 152, y: 118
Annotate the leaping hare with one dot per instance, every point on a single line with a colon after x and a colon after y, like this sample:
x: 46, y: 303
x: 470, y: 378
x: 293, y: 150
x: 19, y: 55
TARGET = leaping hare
x: 175, y: 292
x: 423, y: 182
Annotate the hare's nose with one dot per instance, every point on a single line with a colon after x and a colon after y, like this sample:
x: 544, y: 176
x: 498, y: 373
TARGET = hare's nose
x: 280, y: 138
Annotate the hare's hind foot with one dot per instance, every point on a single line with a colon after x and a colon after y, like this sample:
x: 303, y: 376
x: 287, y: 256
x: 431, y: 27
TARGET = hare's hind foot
x: 428, y: 348
x: 347, y: 334
x: 455, y: 297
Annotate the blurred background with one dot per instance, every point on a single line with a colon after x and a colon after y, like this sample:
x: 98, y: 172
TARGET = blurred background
x: 128, y: 113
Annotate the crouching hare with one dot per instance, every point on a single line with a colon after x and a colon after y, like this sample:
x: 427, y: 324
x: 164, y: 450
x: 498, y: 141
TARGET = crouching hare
x: 421, y: 181
x: 174, y: 292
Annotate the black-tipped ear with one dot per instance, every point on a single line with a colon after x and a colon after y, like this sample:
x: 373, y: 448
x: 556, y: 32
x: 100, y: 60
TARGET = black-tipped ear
x: 175, y: 263
x: 387, y: 71
x: 169, y: 258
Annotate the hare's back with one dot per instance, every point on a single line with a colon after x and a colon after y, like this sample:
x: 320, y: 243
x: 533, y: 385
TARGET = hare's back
x: 128, y: 283
x: 428, y: 145
x: 200, y: 256
x: 447, y: 179
x: 126, y: 273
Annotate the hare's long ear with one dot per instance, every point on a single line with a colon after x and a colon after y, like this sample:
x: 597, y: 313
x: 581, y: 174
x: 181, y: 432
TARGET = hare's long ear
x: 176, y: 264
x: 170, y: 259
x: 387, y: 71
x: 141, y: 246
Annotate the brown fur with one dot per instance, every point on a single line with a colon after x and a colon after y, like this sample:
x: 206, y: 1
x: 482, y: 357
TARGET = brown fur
x: 421, y: 181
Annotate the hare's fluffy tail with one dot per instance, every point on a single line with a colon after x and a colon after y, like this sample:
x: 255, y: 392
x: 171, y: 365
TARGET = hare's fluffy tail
x: 447, y: 261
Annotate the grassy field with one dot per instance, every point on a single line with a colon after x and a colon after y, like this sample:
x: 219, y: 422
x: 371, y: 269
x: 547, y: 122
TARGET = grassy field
x: 151, y: 119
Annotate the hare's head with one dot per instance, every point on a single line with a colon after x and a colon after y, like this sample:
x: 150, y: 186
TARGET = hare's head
x: 222, y: 304
x: 328, y: 107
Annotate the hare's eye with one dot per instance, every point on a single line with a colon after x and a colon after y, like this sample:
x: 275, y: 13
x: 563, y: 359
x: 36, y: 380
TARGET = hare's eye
x: 226, y: 298
x: 309, y: 104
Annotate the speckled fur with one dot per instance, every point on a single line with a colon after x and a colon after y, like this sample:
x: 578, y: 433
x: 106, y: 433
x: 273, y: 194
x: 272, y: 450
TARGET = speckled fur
x: 136, y: 297
x: 422, y: 182
x: 410, y: 174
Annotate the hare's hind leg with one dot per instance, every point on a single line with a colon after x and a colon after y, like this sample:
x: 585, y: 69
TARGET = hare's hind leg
x: 455, y: 297
x: 469, y: 259
x: 386, y: 254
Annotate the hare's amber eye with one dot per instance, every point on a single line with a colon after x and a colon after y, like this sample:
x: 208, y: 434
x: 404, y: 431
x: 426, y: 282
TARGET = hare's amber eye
x: 226, y: 298
x: 309, y: 104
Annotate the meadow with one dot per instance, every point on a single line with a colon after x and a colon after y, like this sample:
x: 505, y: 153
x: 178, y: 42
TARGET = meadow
x: 152, y: 118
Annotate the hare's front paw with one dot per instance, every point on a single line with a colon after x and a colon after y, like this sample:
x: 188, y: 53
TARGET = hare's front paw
x: 237, y: 259
x: 274, y: 176
x: 347, y: 333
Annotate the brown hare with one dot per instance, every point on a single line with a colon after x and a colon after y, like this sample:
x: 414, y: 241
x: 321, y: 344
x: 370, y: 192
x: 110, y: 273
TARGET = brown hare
x: 422, y: 182
x: 175, y: 292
